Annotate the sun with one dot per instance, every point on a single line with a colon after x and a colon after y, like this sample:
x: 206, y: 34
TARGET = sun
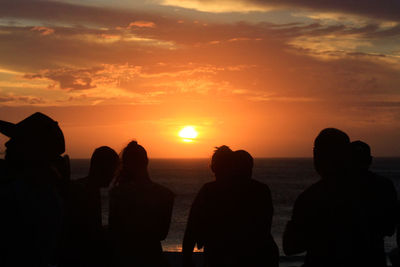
x: 188, y: 133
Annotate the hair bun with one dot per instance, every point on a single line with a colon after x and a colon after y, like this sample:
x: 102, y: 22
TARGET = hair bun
x: 133, y: 143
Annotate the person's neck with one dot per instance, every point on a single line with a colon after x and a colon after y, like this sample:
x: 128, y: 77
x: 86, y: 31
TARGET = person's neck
x: 139, y: 176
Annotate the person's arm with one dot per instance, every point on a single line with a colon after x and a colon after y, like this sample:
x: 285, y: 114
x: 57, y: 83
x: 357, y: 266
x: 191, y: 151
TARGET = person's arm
x: 294, y: 236
x: 192, y: 229
x: 398, y: 224
x: 270, y: 210
x: 113, y: 219
x: 391, y: 209
x: 165, y: 216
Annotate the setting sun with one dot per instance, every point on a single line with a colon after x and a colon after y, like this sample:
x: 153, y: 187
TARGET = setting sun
x: 188, y: 133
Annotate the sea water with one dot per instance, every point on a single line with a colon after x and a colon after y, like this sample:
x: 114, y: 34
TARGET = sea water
x: 286, y: 177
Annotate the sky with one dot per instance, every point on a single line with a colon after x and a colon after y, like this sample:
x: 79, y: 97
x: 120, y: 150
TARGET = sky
x: 261, y: 75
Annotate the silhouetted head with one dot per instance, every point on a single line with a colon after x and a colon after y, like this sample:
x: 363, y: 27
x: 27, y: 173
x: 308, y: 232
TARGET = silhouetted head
x: 37, y: 137
x: 103, y: 165
x: 331, y: 152
x: 222, y: 162
x: 243, y: 164
x: 361, y: 158
x: 134, y: 161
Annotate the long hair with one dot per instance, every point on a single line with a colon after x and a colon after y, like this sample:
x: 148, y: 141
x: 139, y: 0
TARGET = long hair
x: 134, y: 162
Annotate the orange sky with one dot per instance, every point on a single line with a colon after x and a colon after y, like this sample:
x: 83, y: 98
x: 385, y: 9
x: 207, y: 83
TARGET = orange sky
x: 250, y: 74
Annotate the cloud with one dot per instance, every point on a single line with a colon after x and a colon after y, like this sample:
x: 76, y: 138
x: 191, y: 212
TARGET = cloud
x: 217, y: 6
x: 20, y: 100
x: 384, y: 10
x: 142, y: 24
x: 67, y: 13
x: 126, y: 56
x: 43, y: 30
x: 66, y: 78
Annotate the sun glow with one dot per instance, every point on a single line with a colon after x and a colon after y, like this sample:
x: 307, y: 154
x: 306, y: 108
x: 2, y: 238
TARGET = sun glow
x: 188, y: 134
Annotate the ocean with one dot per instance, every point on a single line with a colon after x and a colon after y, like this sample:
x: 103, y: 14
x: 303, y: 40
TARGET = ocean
x: 286, y: 177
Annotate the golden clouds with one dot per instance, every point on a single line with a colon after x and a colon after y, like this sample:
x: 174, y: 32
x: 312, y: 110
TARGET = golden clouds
x: 387, y: 10
x: 148, y: 58
x: 217, y: 6
x: 330, y: 45
x: 142, y: 24
x: 43, y: 30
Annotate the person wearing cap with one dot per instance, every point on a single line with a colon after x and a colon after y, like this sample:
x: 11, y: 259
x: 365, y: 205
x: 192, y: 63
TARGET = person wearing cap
x: 31, y: 191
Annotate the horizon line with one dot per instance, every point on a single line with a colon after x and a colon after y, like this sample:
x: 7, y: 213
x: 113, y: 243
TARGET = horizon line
x: 208, y: 158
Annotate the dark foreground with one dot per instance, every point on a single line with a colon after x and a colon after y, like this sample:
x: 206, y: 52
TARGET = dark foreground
x: 175, y: 259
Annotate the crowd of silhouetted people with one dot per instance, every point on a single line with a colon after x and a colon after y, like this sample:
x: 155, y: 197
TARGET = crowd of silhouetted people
x: 50, y: 220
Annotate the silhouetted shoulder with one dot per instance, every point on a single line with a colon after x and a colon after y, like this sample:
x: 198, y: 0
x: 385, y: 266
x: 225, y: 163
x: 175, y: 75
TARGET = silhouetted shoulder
x: 244, y: 183
x: 315, y: 191
x: 378, y: 188
x: 203, y: 197
x: 40, y: 175
x: 383, y: 182
x: 257, y: 185
x: 209, y: 185
x: 308, y: 206
x: 207, y: 189
x: 148, y: 188
x: 381, y: 197
x: 163, y: 190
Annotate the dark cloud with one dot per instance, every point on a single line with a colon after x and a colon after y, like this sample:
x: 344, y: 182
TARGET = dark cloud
x: 24, y: 100
x: 385, y: 10
x: 71, y: 13
x: 67, y: 78
x: 386, y: 33
x: 69, y: 47
x: 72, y: 82
x: 381, y: 104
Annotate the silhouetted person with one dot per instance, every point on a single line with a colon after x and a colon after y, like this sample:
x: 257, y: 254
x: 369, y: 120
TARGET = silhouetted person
x: 31, y: 201
x: 85, y: 236
x: 336, y: 220
x: 379, y: 196
x: 140, y: 212
x: 394, y: 255
x: 231, y: 217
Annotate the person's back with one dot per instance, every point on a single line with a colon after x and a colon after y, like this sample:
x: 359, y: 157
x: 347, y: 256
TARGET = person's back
x: 30, y: 192
x: 334, y: 220
x: 378, y: 203
x: 232, y: 218
x: 140, y: 213
x: 237, y: 222
x: 85, y: 237
x: 34, y: 217
x: 321, y: 225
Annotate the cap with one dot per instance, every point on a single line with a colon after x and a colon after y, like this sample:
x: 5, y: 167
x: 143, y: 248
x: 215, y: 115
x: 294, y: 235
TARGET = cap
x: 39, y: 130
